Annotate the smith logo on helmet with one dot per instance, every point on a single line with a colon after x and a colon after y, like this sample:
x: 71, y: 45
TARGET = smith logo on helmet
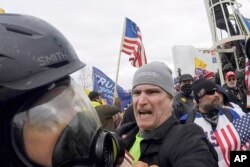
x: 53, y: 58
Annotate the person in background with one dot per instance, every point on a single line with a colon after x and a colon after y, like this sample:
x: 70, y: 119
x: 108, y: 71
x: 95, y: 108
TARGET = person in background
x: 222, y: 16
x: 177, y: 84
x: 223, y: 22
x: 209, y: 75
x: 157, y: 137
x: 224, y: 101
x: 227, y: 67
x: 106, y: 113
x: 210, y: 114
x: 235, y: 94
x: 184, y: 100
x: 217, y: 78
x: 240, y: 75
x: 128, y: 115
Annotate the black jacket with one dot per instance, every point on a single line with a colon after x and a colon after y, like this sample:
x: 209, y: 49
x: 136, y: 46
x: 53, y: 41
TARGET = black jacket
x: 128, y: 115
x: 182, y: 105
x: 237, y: 96
x: 172, y: 144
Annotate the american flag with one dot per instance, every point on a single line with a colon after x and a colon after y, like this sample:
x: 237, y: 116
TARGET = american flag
x: 234, y: 137
x: 132, y: 44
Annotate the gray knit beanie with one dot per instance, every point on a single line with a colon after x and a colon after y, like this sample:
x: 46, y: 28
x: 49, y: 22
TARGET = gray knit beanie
x: 155, y: 73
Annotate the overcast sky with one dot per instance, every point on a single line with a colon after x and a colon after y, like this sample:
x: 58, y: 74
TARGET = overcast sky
x: 94, y: 27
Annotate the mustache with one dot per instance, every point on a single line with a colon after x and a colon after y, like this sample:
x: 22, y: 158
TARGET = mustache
x: 217, y: 98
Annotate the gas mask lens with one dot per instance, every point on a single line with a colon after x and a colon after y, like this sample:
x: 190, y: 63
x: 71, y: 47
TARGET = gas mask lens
x: 39, y: 126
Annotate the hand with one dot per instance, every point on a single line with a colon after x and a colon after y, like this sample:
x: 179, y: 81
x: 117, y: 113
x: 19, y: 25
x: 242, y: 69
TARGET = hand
x: 143, y: 164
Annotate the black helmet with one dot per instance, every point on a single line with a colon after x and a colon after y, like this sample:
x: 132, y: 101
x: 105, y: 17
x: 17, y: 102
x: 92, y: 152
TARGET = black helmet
x: 32, y: 53
x: 186, y: 77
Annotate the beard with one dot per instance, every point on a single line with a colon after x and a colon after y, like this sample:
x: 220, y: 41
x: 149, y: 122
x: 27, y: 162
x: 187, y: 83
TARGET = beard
x: 215, y: 105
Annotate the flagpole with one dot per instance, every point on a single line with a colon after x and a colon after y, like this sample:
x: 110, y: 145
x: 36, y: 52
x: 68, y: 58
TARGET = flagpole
x: 119, y: 58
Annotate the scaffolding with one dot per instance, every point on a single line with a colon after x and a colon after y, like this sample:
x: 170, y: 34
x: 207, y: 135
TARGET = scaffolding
x: 229, y: 31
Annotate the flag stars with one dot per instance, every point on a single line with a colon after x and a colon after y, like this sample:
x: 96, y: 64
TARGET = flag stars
x: 133, y: 28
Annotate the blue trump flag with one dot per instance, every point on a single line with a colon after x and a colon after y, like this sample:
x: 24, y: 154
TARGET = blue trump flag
x: 103, y: 84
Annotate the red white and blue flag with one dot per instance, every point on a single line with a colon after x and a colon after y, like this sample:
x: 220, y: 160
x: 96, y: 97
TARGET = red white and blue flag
x: 234, y: 137
x: 132, y: 44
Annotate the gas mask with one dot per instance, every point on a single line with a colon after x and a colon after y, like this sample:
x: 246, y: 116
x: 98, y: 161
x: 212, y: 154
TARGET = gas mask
x: 59, y: 127
x: 186, y: 89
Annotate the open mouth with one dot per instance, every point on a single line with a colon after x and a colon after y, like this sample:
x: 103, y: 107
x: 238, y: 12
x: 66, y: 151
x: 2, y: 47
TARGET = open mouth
x: 145, y: 114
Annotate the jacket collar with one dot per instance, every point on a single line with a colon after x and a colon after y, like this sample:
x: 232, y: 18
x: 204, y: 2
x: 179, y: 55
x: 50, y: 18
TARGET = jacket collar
x: 160, y: 131
x: 131, y: 129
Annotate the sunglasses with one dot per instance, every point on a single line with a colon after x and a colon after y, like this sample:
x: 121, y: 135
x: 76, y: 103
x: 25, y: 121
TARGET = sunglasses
x: 231, y: 79
x: 211, y: 92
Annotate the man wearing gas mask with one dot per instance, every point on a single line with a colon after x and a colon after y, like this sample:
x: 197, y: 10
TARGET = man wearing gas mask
x: 184, y: 100
x: 45, y: 119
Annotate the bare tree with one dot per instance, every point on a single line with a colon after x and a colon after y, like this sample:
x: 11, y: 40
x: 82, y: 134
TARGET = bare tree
x: 83, y: 77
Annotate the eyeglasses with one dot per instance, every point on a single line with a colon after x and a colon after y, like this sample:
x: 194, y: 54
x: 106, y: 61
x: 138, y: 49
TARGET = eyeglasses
x: 211, y: 92
x: 231, y: 79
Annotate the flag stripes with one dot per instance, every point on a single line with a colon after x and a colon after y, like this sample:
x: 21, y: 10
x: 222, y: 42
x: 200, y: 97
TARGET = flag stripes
x: 132, y: 44
x: 234, y: 137
x: 227, y: 139
x: 128, y: 157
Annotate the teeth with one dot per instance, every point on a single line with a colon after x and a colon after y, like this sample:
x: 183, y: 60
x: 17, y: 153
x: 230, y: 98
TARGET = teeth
x: 145, y: 115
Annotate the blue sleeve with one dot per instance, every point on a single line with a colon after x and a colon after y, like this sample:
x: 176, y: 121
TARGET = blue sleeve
x: 234, y: 114
x: 184, y: 118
